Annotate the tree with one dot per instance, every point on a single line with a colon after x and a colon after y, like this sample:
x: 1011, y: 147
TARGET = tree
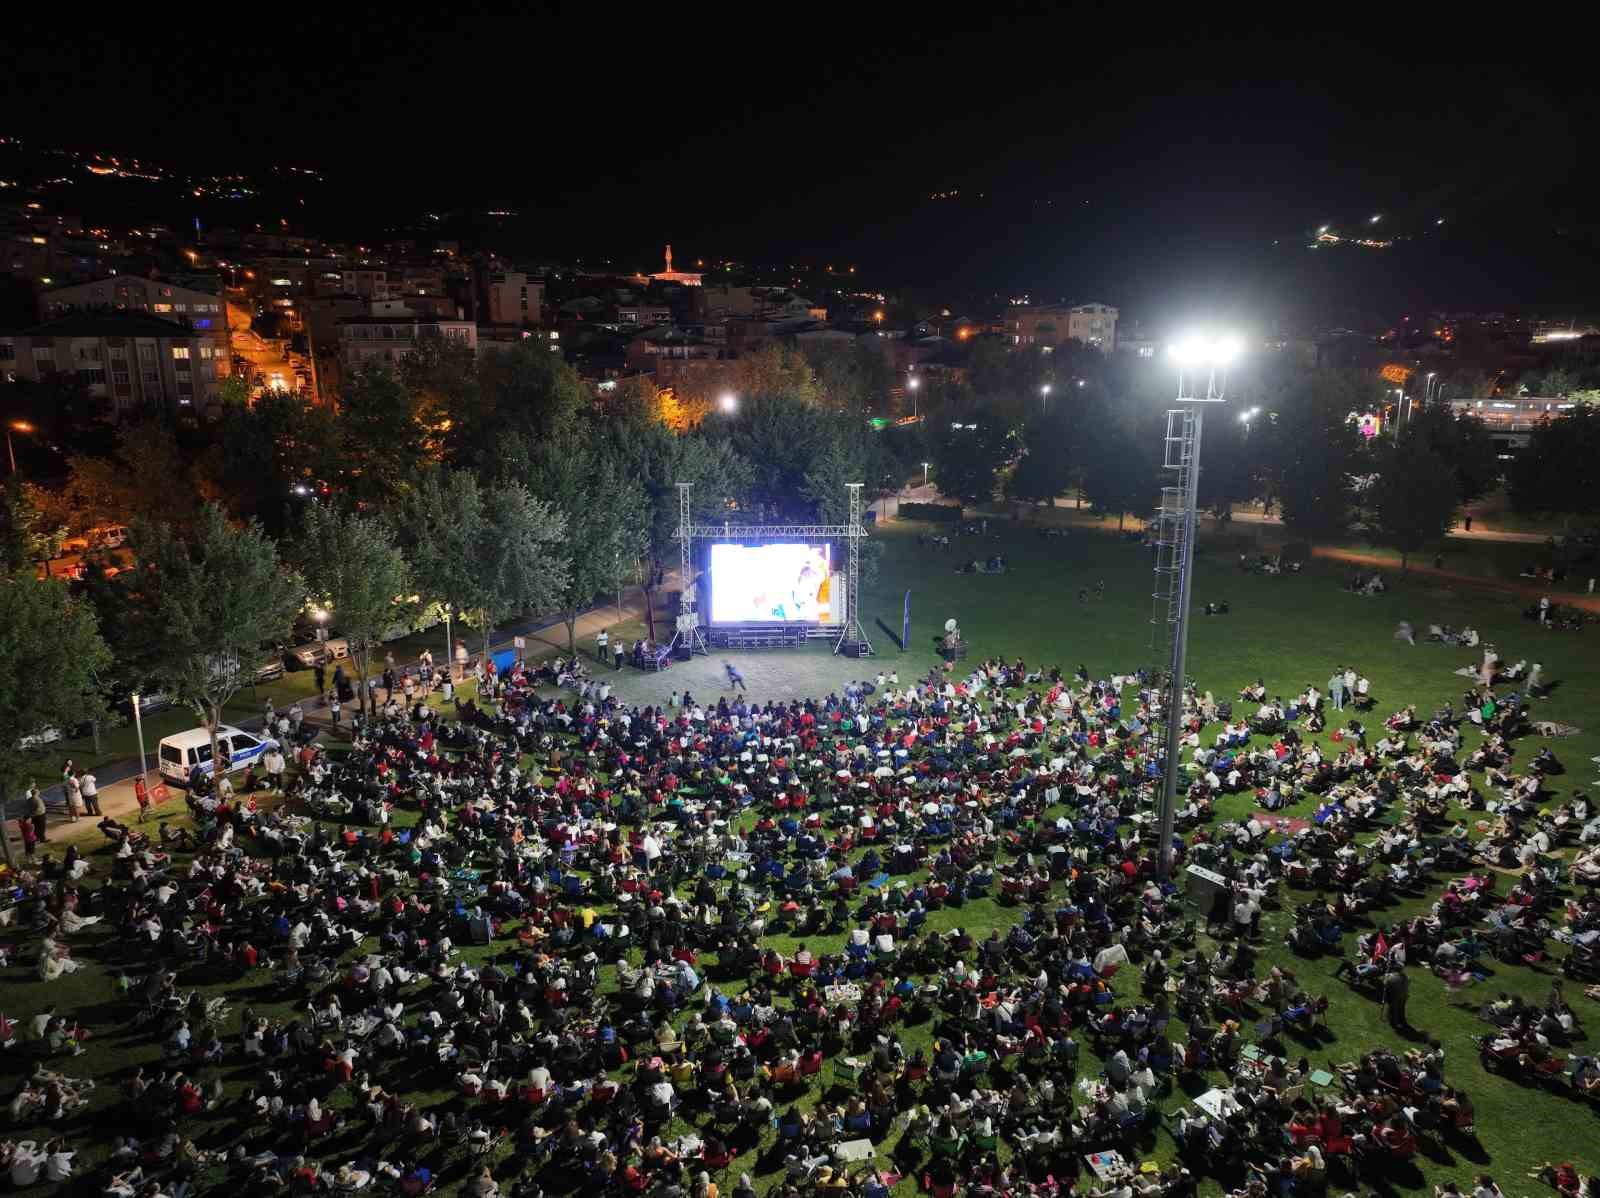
x: 353, y: 568
x: 487, y: 552
x: 384, y: 436
x: 1463, y: 441
x: 1119, y: 471
x: 1559, y: 469
x: 851, y: 376
x: 1309, y: 449
x: 778, y: 436
x: 605, y: 514
x: 27, y: 533
x: 148, y: 478
x: 524, y: 560
x: 1412, y: 502
x: 49, y: 657
x: 968, y: 454
x: 233, y: 392
x: 268, y: 449
x: 659, y: 460
x: 218, y: 593
x: 1226, y: 474
x: 440, y: 525
x: 1045, y: 469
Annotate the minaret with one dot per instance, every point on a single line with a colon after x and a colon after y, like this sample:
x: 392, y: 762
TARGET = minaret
x: 669, y: 258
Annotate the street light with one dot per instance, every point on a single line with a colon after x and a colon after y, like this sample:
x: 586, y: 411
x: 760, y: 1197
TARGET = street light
x: 911, y: 385
x: 21, y: 426
x: 924, y: 473
x: 1427, y: 391
x: 728, y: 402
x: 1044, y: 394
x: 138, y: 723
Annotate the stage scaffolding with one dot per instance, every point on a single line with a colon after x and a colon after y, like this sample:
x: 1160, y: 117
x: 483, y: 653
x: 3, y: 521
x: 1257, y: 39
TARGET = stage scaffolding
x: 852, y: 640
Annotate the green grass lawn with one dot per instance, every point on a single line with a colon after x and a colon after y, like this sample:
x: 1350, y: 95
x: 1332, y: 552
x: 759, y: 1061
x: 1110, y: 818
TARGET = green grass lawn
x: 1291, y: 631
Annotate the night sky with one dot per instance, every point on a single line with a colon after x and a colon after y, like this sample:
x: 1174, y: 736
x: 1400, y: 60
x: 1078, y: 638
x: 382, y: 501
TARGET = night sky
x: 1166, y: 170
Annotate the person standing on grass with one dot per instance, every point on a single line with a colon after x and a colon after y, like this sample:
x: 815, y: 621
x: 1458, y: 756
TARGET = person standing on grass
x: 29, y: 837
x: 274, y: 764
x: 90, y: 789
x: 1396, y: 989
x: 1336, y: 690
x: 601, y: 642
x: 320, y: 673
x: 335, y: 707
x: 73, y: 790
x: 37, y: 813
x: 619, y: 652
x: 141, y: 795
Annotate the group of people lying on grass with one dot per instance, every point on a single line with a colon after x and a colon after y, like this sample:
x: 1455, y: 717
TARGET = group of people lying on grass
x: 575, y: 918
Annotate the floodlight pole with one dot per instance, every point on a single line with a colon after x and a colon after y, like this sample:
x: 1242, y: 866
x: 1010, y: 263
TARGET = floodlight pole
x: 1178, y: 517
x: 1180, y: 650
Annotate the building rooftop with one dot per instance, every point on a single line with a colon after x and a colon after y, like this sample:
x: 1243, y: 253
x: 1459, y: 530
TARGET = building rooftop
x: 108, y: 322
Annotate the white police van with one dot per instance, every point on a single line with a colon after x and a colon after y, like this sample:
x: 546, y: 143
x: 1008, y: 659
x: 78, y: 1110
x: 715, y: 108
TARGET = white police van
x: 181, y: 752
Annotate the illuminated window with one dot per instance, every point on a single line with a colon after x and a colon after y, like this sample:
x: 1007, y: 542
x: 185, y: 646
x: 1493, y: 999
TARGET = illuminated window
x: 180, y: 351
x: 163, y: 307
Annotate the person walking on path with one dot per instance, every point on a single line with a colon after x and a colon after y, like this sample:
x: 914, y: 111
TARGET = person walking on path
x: 90, y: 789
x: 1336, y: 690
x: 37, y: 813
x: 29, y: 837
x: 72, y: 788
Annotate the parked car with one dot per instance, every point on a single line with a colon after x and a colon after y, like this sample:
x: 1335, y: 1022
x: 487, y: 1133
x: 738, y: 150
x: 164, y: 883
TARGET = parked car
x: 180, y: 753
x: 106, y: 536
x: 313, y: 653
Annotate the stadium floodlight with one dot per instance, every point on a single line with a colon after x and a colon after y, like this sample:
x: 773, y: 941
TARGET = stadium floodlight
x: 1199, y: 350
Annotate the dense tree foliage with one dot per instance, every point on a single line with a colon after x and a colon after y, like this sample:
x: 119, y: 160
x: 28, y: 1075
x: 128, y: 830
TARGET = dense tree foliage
x: 218, y: 593
x: 1412, y: 500
x: 1559, y: 469
x: 51, y: 657
x: 354, y: 570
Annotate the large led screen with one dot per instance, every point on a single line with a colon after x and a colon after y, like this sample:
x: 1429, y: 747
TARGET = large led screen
x: 770, y: 584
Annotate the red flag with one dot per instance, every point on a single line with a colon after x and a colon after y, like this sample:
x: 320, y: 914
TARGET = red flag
x: 1379, y: 948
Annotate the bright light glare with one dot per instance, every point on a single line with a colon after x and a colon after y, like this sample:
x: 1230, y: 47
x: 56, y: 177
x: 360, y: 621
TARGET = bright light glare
x: 729, y: 402
x: 914, y: 383
x: 1195, y: 351
x: 1375, y: 218
x: 1191, y: 351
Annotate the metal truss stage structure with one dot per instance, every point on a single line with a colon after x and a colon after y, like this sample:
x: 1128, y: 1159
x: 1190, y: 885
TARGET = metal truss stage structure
x: 691, y: 635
